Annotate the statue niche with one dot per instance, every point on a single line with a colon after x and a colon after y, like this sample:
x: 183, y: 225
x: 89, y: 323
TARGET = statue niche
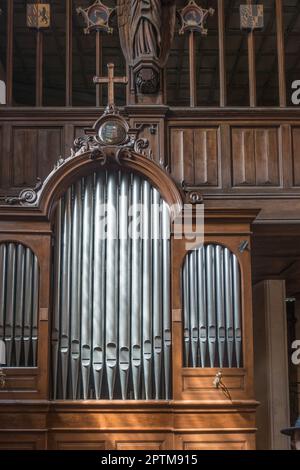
x: 146, y: 32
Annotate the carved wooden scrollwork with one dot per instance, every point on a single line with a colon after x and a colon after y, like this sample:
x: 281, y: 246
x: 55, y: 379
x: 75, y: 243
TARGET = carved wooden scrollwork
x: 27, y: 196
x: 192, y: 194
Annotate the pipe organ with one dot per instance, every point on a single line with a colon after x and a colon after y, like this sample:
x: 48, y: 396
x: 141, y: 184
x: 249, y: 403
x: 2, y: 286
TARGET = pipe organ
x: 212, y: 308
x: 19, y: 292
x: 115, y: 328
x: 111, y: 326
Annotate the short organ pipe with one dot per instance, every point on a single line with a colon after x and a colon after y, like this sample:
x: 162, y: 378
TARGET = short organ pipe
x: 217, y: 310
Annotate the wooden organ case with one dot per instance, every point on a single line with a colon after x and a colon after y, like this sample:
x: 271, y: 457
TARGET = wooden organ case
x: 124, y: 343
x: 129, y: 342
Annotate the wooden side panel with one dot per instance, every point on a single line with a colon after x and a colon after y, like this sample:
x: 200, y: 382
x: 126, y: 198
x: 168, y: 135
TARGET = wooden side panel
x: 206, y: 156
x: 49, y: 149
x: 195, y: 156
x: 76, y: 441
x: 255, y: 156
x: 157, y: 441
x: 34, y: 152
x: 24, y: 157
x: 215, y: 441
x: 22, y: 440
x: 2, y: 157
x: 109, y: 441
x: 296, y: 155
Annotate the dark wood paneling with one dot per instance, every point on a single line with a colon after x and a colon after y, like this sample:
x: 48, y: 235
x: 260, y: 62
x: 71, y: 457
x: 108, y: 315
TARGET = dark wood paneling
x: 24, y: 168
x: 255, y: 156
x: 296, y: 155
x: 78, y: 132
x: 222, y: 441
x: 206, y: 156
x: 144, y: 442
x: 1, y: 157
x: 76, y: 441
x: 34, y: 152
x: 194, y: 154
x: 49, y: 150
x: 14, y: 440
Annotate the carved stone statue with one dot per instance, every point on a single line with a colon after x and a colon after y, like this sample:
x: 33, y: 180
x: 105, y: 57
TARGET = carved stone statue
x: 146, y: 29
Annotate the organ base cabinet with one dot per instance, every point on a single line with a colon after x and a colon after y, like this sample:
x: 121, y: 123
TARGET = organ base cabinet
x: 120, y: 332
x: 144, y: 426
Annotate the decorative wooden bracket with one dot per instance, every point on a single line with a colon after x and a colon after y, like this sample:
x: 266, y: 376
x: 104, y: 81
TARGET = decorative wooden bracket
x: 193, y: 194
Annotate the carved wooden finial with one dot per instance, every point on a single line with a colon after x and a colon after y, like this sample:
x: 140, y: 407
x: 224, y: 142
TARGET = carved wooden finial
x: 111, y: 80
x: 193, y: 18
x: 97, y: 17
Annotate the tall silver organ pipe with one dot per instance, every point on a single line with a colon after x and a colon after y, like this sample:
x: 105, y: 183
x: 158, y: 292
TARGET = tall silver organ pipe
x: 212, y: 334
x: 19, y: 295
x: 111, y: 328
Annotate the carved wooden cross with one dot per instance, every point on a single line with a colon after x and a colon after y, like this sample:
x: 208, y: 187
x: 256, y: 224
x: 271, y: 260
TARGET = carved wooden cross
x: 111, y: 80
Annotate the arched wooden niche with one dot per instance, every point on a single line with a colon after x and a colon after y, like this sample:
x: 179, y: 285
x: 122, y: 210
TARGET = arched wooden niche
x: 111, y: 325
x: 212, y: 308
x: 19, y: 294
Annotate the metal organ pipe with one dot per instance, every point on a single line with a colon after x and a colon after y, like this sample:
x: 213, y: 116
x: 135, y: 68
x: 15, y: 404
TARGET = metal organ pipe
x: 28, y: 304
x: 146, y: 289
x: 124, y: 297
x: 166, y: 305
x: 35, y: 299
x: 76, y: 269
x: 136, y: 289
x: 19, y: 286
x: 65, y: 286
x: 228, y: 304
x: 10, y: 304
x: 57, y: 297
x: 111, y: 285
x: 217, y: 309
x: 237, y: 311
x: 99, y: 287
x: 220, y: 303
x: 86, y: 285
x: 156, y: 292
x: 201, y: 306
x: 19, y: 302
x: 186, y: 300
x: 3, y: 255
x: 120, y: 278
x: 211, y: 306
x: 194, y: 323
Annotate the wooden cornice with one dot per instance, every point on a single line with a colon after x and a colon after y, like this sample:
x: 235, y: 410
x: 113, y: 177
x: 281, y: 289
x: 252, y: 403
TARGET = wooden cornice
x: 92, y: 113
